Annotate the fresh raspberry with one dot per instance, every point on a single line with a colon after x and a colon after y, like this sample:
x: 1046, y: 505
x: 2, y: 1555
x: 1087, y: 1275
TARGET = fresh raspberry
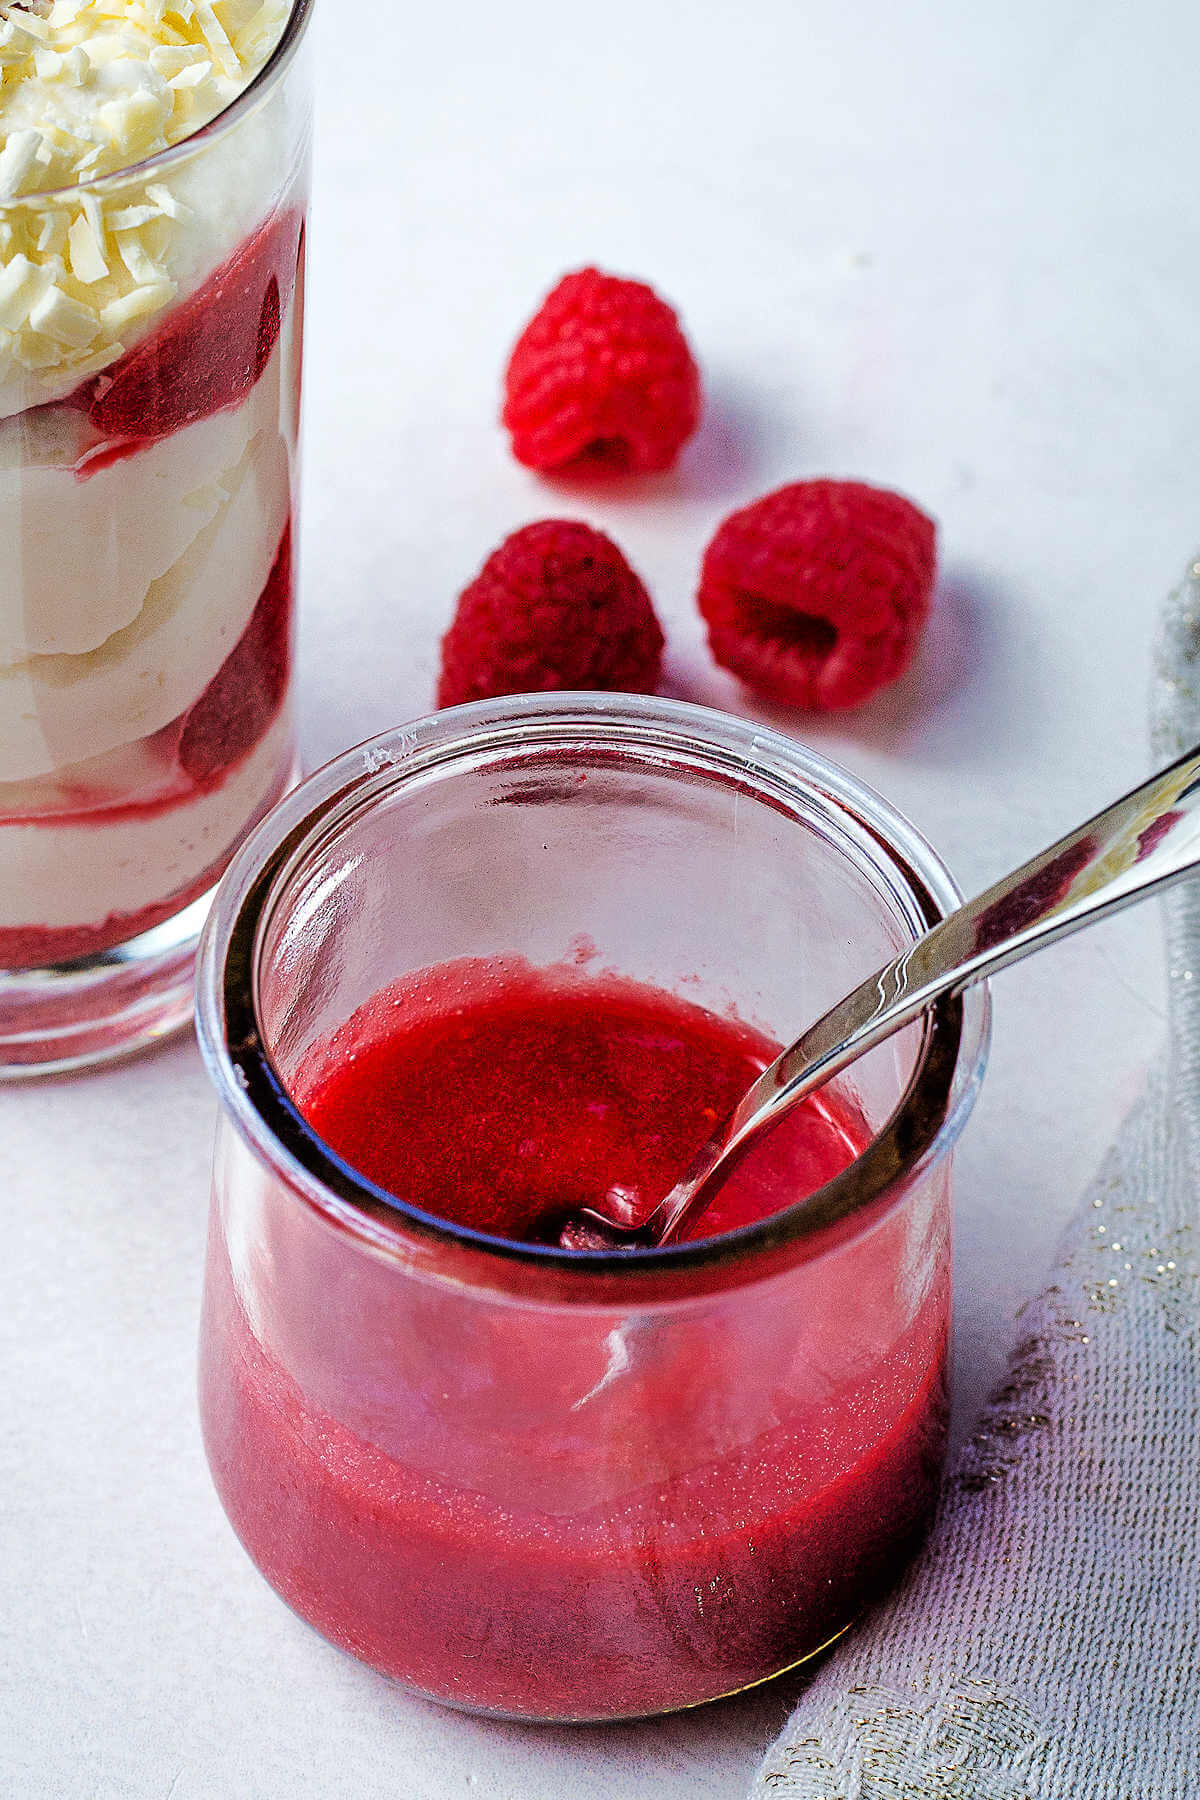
x: 555, y: 607
x: 816, y: 594
x: 209, y: 351
x: 245, y: 694
x: 601, y: 374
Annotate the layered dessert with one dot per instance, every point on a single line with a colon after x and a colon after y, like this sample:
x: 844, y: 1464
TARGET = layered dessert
x: 150, y: 304
x: 559, y: 1510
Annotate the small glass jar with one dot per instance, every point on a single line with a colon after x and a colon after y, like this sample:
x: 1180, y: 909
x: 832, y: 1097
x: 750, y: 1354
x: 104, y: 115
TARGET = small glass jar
x: 150, y: 366
x: 565, y: 1484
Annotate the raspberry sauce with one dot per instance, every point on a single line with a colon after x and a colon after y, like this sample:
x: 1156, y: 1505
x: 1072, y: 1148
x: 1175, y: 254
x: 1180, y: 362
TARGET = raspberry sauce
x: 209, y: 351
x: 550, y: 1511
x: 500, y: 1097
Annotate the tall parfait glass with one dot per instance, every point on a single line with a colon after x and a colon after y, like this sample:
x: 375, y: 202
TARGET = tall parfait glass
x: 150, y: 367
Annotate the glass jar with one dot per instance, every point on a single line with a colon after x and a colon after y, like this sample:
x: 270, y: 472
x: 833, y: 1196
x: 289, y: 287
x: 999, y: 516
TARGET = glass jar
x: 576, y: 1484
x: 150, y: 365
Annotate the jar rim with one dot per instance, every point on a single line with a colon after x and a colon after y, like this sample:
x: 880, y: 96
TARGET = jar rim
x: 921, y: 1129
x: 271, y: 72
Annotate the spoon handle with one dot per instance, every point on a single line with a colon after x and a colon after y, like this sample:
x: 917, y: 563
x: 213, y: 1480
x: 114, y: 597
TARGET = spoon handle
x: 1136, y: 847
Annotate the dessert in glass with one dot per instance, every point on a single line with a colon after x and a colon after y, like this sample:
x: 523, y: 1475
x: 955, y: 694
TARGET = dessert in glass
x: 153, y: 184
x: 461, y: 982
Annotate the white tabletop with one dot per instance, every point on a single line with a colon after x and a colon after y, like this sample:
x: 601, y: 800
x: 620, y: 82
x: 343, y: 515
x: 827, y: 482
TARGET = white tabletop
x: 947, y: 248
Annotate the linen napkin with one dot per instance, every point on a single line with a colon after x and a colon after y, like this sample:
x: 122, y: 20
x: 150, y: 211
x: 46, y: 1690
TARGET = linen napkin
x: 1046, y: 1645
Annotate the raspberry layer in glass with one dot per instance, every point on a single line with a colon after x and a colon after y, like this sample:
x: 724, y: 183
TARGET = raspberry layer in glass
x: 549, y: 1510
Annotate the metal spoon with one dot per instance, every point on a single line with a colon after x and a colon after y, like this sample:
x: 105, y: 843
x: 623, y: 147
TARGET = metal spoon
x: 1140, y: 845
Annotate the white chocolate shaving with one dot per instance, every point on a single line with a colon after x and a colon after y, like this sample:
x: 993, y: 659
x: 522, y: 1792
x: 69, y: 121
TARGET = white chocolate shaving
x: 88, y: 263
x: 65, y: 320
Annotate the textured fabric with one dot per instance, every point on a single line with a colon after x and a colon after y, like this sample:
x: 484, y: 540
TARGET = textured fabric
x: 1046, y: 1645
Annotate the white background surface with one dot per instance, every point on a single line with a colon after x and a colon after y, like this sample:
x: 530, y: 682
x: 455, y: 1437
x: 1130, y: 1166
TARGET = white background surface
x: 945, y: 247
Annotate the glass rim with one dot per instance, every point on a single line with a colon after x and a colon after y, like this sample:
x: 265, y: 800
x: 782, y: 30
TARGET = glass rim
x: 272, y: 70
x: 922, y: 1127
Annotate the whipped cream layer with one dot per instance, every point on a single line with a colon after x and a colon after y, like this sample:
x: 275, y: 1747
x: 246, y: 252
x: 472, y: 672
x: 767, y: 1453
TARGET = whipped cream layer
x: 89, y: 260
x: 122, y: 594
x: 135, y: 774
x: 80, y: 554
x: 58, y: 876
